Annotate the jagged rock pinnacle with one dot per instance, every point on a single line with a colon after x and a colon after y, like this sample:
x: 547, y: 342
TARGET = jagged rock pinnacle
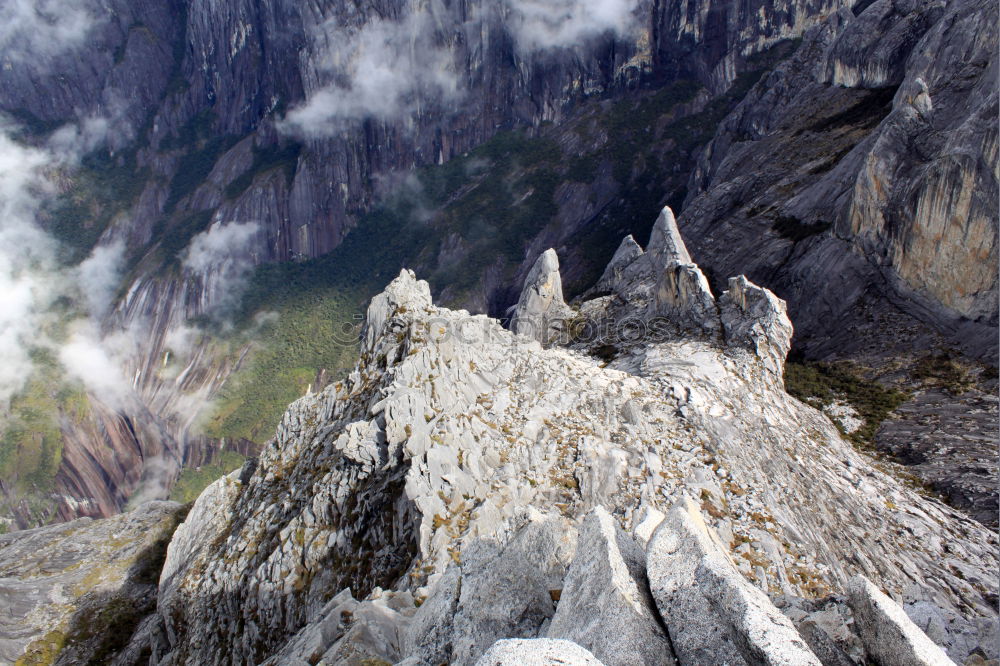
x: 665, y: 242
x: 755, y: 318
x: 404, y: 292
x: 626, y: 253
x: 541, y: 312
x: 682, y: 295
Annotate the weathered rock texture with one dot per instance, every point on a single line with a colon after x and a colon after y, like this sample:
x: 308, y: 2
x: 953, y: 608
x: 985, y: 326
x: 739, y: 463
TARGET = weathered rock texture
x: 860, y: 174
x: 616, y: 620
x: 537, y: 652
x: 541, y: 313
x: 80, y: 587
x: 762, y: 634
x: 444, y: 481
x: 698, y: 632
x: 890, y: 637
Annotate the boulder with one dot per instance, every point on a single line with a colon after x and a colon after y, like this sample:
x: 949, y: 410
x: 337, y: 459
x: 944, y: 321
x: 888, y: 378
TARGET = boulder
x: 762, y: 633
x: 697, y: 632
x: 508, y: 591
x: 889, y: 636
x: 537, y: 652
x: 605, y: 604
x: 428, y: 637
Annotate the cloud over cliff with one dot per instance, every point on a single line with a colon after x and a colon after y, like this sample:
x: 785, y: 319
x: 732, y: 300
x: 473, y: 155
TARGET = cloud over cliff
x: 35, y: 287
x: 223, y: 257
x: 558, y: 24
x: 27, y: 285
x: 396, y: 68
x: 384, y: 69
x: 33, y: 29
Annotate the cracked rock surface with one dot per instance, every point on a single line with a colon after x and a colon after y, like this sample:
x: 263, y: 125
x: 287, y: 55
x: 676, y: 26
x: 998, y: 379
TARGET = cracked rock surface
x: 465, y: 485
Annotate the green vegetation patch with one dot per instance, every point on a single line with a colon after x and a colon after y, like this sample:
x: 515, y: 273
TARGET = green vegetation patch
x: 946, y: 371
x: 822, y: 384
x: 193, y: 480
x: 104, y: 186
x: 43, y: 651
x: 31, y: 441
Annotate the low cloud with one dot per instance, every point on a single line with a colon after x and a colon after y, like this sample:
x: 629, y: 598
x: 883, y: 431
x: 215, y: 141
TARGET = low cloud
x: 71, y: 142
x: 157, y: 477
x: 28, y: 286
x: 223, y: 257
x: 87, y: 358
x: 98, y: 277
x: 34, y: 29
x: 32, y: 280
x: 539, y: 25
x: 385, y: 69
x: 393, y: 69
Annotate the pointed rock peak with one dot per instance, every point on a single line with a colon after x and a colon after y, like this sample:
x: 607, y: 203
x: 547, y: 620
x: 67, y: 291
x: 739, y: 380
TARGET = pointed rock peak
x: 755, y: 318
x: 665, y: 241
x: 405, y: 293
x: 541, y: 310
x: 626, y: 253
x: 546, y: 264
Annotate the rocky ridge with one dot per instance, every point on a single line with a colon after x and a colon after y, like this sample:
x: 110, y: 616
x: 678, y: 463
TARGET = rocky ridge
x: 203, y: 88
x: 466, y: 485
x: 195, y: 99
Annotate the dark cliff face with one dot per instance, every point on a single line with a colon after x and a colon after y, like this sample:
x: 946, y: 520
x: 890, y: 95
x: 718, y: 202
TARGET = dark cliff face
x: 270, y: 114
x: 872, y: 182
x: 194, y: 79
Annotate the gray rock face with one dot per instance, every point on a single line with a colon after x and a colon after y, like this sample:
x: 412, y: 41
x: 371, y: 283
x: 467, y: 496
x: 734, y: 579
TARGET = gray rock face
x: 684, y: 299
x: 698, y: 633
x: 755, y: 318
x: 884, y: 240
x: 626, y: 253
x: 616, y: 620
x: 950, y: 443
x: 763, y: 635
x: 666, y: 247
x: 962, y: 639
x: 537, y: 652
x: 508, y: 592
x: 663, y: 278
x: 541, y: 313
x: 871, y: 118
x: 890, y: 637
x: 55, y: 580
x: 736, y: 34
x: 429, y: 636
